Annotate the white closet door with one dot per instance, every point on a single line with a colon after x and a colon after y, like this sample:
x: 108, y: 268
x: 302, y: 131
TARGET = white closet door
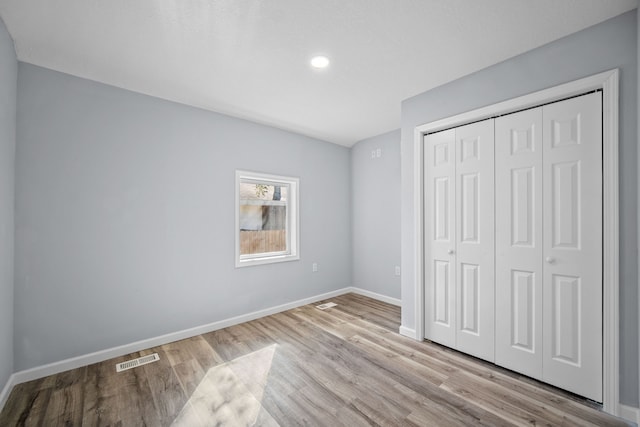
x: 519, y: 242
x: 439, y: 229
x: 572, y: 294
x: 475, y: 289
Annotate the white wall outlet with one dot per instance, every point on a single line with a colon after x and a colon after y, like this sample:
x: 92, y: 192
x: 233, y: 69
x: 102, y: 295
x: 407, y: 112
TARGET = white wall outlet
x: 397, y: 270
x: 314, y: 267
x: 379, y: 152
x: 373, y: 154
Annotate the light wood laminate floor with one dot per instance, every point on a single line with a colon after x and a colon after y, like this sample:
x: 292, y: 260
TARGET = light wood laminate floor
x: 345, y: 366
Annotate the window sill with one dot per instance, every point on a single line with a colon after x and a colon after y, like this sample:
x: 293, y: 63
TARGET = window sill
x: 266, y: 260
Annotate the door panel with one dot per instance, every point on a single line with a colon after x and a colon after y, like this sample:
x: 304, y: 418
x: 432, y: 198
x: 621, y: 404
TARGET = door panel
x: 440, y: 277
x: 519, y: 242
x: 572, y: 303
x: 475, y: 279
x: 442, y: 289
x: 565, y: 192
x: 469, y: 207
x: 469, y: 297
x: 565, y: 332
x: 522, y: 205
x: 522, y: 310
x: 442, y: 222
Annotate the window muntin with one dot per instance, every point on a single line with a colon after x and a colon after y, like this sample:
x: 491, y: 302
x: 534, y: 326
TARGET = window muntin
x: 266, y: 218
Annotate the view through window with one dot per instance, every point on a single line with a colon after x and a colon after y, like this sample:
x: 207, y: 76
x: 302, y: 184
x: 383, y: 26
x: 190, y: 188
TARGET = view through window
x: 266, y: 218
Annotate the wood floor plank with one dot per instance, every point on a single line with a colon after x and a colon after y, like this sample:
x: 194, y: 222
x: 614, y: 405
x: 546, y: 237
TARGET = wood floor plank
x: 65, y: 404
x: 343, y: 393
x: 344, y: 366
x: 377, y: 414
x: 313, y: 411
x: 189, y: 373
x: 369, y: 363
x: 65, y: 407
x: 166, y: 390
x: 381, y: 354
x: 111, y: 398
x: 195, y: 348
x: 523, y: 413
x: 30, y: 410
x: 226, y: 343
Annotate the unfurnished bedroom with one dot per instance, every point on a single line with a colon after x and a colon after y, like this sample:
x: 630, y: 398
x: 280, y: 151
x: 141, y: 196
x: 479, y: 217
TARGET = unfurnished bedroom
x: 325, y: 213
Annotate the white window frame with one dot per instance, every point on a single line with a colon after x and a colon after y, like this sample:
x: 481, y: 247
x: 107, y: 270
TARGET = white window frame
x: 293, y: 219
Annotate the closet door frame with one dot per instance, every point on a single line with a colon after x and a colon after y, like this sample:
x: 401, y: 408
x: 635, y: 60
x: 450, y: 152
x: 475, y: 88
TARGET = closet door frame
x: 608, y: 83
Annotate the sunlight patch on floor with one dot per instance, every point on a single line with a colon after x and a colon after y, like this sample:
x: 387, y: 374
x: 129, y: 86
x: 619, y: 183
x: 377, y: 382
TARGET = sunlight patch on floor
x: 230, y: 394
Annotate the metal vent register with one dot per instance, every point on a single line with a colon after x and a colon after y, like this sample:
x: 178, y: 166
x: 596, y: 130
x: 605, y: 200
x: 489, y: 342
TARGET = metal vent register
x: 326, y: 305
x: 137, y: 362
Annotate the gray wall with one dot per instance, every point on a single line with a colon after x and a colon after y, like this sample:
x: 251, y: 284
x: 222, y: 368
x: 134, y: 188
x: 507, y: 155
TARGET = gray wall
x: 8, y: 79
x: 612, y: 44
x: 638, y: 173
x: 125, y: 217
x: 375, y: 214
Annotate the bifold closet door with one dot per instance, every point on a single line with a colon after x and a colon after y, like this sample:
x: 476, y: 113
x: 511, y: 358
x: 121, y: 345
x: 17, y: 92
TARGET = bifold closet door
x: 459, y: 238
x: 519, y: 258
x: 549, y: 243
x: 440, y: 241
x: 572, y: 245
x: 475, y: 235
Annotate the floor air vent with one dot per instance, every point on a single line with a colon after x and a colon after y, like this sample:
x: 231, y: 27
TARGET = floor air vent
x: 326, y: 305
x: 137, y: 362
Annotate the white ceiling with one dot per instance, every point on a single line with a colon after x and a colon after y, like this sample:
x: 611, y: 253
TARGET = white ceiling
x: 249, y: 58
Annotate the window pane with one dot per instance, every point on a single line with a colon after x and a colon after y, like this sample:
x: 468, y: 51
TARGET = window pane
x: 263, y: 218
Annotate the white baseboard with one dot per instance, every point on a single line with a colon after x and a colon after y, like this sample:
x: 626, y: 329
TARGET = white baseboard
x: 4, y: 394
x: 408, y: 332
x: 102, y: 355
x: 376, y: 296
x: 629, y: 413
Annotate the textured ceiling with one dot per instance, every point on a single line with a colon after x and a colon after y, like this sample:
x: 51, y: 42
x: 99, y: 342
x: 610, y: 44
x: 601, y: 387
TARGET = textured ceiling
x: 249, y: 58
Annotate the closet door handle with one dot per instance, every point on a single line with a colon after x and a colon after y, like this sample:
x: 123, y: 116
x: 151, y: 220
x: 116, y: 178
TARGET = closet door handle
x: 450, y: 251
x: 550, y: 259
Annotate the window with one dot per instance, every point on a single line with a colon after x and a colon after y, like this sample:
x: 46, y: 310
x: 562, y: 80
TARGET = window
x: 266, y: 219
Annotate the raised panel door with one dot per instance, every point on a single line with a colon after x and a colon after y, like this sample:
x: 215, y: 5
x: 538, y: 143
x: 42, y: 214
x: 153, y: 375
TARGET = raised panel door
x: 572, y: 329
x: 519, y: 242
x: 440, y: 231
x: 474, y: 177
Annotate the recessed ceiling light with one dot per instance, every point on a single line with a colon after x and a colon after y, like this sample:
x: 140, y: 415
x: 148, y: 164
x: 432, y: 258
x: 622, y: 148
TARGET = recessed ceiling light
x: 320, y: 61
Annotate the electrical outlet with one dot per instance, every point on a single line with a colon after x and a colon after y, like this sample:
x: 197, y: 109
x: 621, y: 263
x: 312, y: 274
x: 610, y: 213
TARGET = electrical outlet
x: 397, y: 270
x: 379, y: 152
x: 314, y: 267
x: 373, y: 154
